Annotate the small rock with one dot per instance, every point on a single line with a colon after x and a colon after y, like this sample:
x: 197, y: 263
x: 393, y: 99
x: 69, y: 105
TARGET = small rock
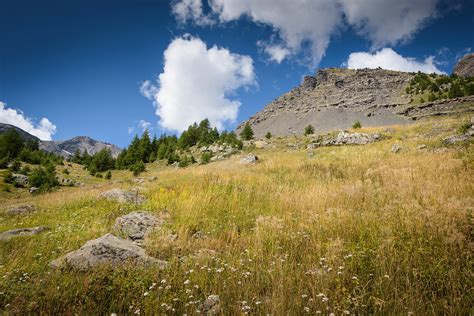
x: 136, y: 225
x: 211, y: 306
x: 123, y: 196
x: 138, y: 180
x: 422, y: 146
x: 106, y: 250
x: 199, y: 235
x: 310, y: 154
x: 152, y: 179
x: 453, y: 139
x: 20, y: 180
x: 249, y: 159
x: 395, y: 148
x: 33, y: 190
x: 21, y: 209
x: 22, y: 232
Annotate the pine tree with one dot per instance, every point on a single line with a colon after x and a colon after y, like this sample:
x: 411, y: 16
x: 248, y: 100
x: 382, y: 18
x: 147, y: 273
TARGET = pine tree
x: 247, y: 132
x: 309, y: 129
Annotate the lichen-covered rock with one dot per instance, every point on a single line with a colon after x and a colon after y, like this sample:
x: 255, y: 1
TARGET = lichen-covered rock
x: 136, y: 225
x: 123, y: 196
x: 346, y: 138
x: 106, y: 250
x: 21, y: 209
x: 22, y: 232
x: 20, y: 180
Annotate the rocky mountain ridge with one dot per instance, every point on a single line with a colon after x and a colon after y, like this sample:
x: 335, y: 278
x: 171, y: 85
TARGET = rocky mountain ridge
x: 337, y: 97
x: 68, y: 147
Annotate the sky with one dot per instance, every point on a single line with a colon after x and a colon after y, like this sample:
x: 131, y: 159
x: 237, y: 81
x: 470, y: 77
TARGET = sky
x: 108, y: 69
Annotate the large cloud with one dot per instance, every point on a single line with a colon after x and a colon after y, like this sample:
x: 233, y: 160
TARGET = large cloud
x: 197, y: 83
x: 297, y: 22
x: 44, y: 130
x: 389, y: 21
x: 388, y: 59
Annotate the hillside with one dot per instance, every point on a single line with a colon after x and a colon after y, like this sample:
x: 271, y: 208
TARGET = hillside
x: 337, y: 97
x: 380, y: 228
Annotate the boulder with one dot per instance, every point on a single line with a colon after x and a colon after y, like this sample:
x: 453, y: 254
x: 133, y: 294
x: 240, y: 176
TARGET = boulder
x: 453, y: 139
x: 123, y: 196
x: 249, y: 159
x: 346, y: 138
x: 211, y: 306
x: 22, y: 232
x: 136, y: 225
x: 20, y: 180
x: 106, y: 250
x: 33, y: 190
x: 21, y: 209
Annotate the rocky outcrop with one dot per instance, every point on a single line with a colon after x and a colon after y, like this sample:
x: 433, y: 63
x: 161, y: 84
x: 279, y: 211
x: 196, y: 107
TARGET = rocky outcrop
x: 5, y: 236
x: 336, y: 98
x: 465, y: 66
x: 123, y: 196
x: 136, y: 225
x: 106, y: 250
x: 21, y: 209
x: 346, y: 138
x: 249, y: 159
x: 20, y: 180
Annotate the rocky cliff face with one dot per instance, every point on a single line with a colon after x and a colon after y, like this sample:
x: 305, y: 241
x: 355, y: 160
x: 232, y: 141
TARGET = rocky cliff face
x: 82, y: 143
x: 336, y: 98
x: 465, y: 66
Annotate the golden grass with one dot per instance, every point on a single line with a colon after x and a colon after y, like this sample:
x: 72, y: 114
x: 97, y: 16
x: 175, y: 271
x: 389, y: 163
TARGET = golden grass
x: 355, y: 229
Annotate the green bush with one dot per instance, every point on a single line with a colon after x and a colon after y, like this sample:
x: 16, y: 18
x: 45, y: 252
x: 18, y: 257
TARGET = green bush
x: 6, y: 188
x: 356, y: 125
x: 15, y: 165
x: 137, y: 168
x: 65, y: 171
x: 108, y: 175
x: 44, y: 179
x: 247, y: 132
x: 99, y: 175
x: 309, y: 130
x: 8, y: 177
x: 268, y: 135
x: 464, y: 128
x: 206, y: 158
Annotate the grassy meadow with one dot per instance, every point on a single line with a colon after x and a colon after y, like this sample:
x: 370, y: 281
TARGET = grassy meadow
x: 347, y: 230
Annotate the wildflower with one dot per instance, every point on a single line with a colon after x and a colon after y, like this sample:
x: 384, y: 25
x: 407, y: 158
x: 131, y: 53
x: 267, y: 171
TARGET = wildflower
x: 258, y: 303
x: 386, y: 276
x: 146, y: 294
x: 304, y: 296
x: 306, y: 309
x: 187, y: 282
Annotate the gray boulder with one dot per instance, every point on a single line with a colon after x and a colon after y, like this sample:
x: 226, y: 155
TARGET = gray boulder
x: 136, y: 225
x: 249, y: 159
x: 453, y: 139
x: 20, y: 179
x: 33, y: 190
x: 21, y: 209
x: 123, y: 196
x: 106, y: 250
x: 346, y: 138
x: 22, y: 232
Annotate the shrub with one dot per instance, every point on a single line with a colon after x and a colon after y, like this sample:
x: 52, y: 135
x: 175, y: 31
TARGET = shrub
x: 309, y: 130
x: 15, y: 165
x: 6, y: 188
x: 65, y: 171
x: 25, y: 170
x: 44, y: 179
x: 206, y: 158
x: 8, y: 177
x: 247, y: 132
x: 356, y: 125
x: 99, y: 175
x: 137, y: 168
x: 422, y: 100
x: 464, y: 128
x: 268, y: 135
x: 108, y: 175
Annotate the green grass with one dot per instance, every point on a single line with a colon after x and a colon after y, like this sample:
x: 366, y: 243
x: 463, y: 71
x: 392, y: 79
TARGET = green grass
x: 355, y: 229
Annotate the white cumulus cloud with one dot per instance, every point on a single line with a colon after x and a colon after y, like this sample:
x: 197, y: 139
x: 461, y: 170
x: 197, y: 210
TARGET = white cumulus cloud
x: 301, y: 24
x: 197, y: 83
x: 387, y: 58
x: 388, y: 22
x: 43, y: 130
x: 144, y: 125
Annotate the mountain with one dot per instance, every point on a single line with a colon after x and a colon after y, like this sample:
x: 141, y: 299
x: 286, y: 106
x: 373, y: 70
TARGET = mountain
x: 66, y: 148
x: 337, y: 97
x: 82, y: 143
x: 465, y: 66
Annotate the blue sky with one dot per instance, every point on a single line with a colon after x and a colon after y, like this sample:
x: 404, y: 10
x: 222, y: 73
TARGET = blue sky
x: 79, y: 65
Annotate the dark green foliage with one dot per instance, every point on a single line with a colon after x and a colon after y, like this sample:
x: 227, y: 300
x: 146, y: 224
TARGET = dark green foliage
x: 186, y: 161
x: 247, y: 132
x: 440, y: 86
x: 102, y: 161
x: 6, y: 188
x: 432, y: 97
x: 44, y: 179
x: 11, y: 144
x: 8, y: 177
x: 206, y: 158
x: 137, y: 168
x: 422, y: 100
x: 99, y: 175
x: 309, y: 130
x: 268, y: 135
x: 65, y: 171
x: 469, y: 89
x: 356, y: 125
x: 464, y: 128
x: 15, y: 165
x: 455, y: 91
x: 108, y: 175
